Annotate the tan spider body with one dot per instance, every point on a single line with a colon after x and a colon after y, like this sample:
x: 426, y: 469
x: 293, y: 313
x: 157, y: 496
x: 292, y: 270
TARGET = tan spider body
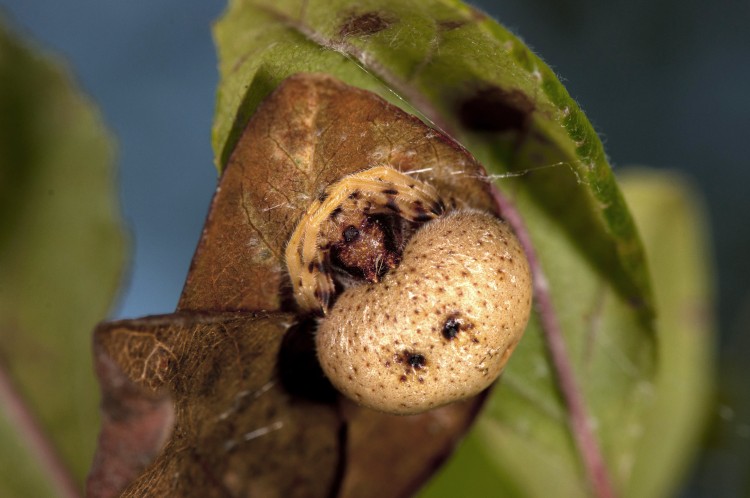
x: 429, y: 304
x: 345, y: 224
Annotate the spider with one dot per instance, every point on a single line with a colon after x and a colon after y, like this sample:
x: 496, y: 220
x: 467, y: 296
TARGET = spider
x: 355, y: 228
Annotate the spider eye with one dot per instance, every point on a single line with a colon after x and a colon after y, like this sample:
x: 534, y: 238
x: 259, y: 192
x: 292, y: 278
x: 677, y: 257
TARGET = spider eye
x: 350, y: 234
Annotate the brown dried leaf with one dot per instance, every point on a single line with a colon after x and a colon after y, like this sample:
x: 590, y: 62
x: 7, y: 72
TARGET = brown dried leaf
x: 232, y: 417
x: 250, y: 412
x: 309, y: 133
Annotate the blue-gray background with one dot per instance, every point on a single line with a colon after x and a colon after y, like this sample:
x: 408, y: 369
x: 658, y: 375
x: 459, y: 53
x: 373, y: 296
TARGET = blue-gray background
x: 665, y: 82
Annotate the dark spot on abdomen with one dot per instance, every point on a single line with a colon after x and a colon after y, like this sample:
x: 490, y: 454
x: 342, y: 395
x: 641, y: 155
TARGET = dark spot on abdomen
x: 416, y: 360
x: 411, y: 360
x: 451, y: 328
x: 455, y: 324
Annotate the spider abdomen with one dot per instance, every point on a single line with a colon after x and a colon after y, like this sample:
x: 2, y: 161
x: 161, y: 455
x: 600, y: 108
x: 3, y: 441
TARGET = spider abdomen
x: 439, y: 327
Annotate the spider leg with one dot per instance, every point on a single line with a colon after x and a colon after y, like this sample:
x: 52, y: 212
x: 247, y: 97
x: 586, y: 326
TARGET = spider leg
x: 324, y: 285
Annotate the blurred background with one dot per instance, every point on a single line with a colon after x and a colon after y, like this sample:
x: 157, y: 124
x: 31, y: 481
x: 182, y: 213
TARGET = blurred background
x: 665, y: 83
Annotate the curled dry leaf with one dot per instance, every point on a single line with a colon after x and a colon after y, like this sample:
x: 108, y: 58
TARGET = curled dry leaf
x: 235, y: 430
x: 225, y: 397
x: 312, y: 131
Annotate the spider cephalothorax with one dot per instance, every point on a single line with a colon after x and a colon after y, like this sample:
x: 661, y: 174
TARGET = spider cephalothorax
x: 355, y: 227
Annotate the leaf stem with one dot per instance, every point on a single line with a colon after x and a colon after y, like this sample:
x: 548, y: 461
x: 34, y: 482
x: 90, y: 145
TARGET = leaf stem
x: 578, y: 418
x: 29, y: 430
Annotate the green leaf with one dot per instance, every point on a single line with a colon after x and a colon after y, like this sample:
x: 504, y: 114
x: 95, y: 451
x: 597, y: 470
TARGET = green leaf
x: 670, y: 215
x: 466, y: 74
x: 61, y: 255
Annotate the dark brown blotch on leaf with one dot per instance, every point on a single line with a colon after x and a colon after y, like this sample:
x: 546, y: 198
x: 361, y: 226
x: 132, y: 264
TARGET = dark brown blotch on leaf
x: 365, y: 24
x: 494, y: 109
x: 451, y: 24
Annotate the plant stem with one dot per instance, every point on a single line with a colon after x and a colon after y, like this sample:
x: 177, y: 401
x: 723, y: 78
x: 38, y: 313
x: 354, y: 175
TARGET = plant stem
x: 29, y: 430
x: 578, y: 418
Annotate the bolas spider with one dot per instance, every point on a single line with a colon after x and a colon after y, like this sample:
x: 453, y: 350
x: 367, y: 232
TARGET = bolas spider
x: 443, y: 301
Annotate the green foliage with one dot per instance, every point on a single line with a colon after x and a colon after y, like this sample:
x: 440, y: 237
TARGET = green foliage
x: 670, y: 216
x: 61, y: 254
x: 672, y: 224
